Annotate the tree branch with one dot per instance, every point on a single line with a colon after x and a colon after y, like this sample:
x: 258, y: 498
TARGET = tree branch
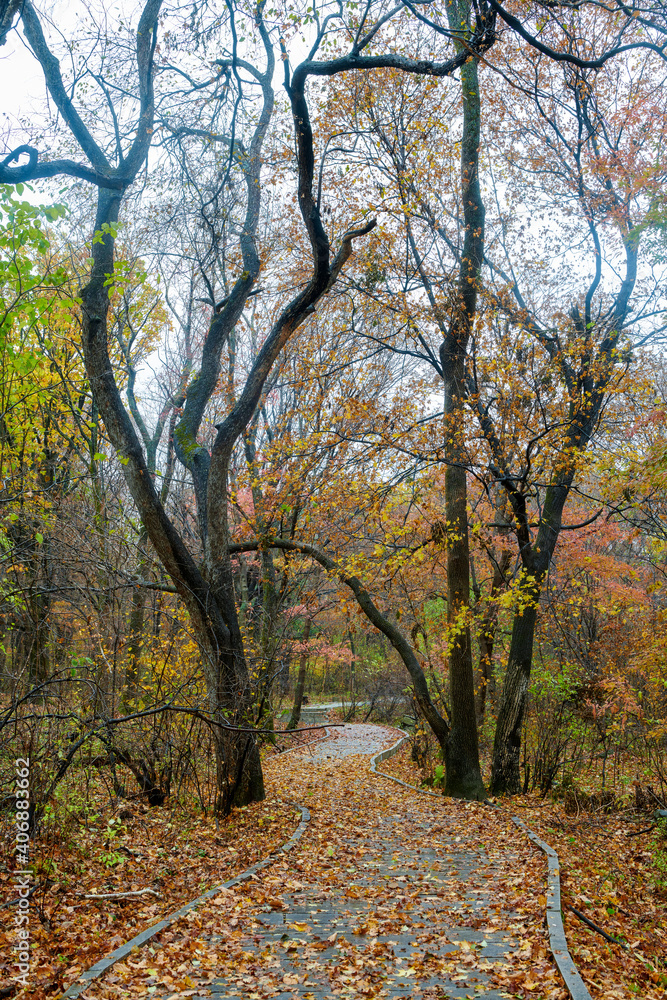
x: 374, y: 615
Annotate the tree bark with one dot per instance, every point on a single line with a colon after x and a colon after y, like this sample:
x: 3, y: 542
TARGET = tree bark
x: 505, y: 774
x: 295, y: 717
x: 485, y: 681
x: 463, y: 773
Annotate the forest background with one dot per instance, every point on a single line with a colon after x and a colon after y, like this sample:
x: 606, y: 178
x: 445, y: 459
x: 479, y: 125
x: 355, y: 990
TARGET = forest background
x: 331, y: 366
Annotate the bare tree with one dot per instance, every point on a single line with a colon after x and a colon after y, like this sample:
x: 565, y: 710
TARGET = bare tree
x: 116, y: 161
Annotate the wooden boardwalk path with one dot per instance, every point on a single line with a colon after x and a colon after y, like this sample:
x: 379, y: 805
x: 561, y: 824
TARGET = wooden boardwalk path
x: 388, y: 894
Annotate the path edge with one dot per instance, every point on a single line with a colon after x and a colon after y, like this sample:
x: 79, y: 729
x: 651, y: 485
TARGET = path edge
x: 557, y: 940
x: 298, y: 746
x: 83, y: 981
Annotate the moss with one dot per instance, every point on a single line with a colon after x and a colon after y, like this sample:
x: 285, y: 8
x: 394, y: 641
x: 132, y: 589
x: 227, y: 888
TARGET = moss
x: 186, y: 441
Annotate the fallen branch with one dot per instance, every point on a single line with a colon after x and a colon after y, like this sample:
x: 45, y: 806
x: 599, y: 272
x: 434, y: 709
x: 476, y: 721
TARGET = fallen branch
x: 12, y: 902
x: 119, y: 895
x: 636, y: 833
x: 607, y: 937
x: 659, y: 801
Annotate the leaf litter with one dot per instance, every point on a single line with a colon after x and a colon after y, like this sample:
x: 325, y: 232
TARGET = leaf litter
x: 173, y: 852
x: 388, y: 894
x: 612, y: 874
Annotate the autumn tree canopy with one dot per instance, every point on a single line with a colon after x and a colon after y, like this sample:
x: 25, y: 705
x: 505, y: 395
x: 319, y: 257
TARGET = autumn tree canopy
x: 355, y: 298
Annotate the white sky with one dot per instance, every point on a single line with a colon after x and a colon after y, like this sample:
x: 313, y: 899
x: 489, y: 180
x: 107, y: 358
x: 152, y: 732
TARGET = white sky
x: 21, y: 79
x: 21, y: 83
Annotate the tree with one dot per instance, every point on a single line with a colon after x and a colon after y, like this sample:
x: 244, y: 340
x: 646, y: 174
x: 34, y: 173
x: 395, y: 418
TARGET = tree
x: 192, y: 109
x: 115, y: 164
x: 573, y: 351
x: 37, y: 455
x: 402, y: 125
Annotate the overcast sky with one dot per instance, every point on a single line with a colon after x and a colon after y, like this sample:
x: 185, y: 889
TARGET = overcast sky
x: 21, y: 83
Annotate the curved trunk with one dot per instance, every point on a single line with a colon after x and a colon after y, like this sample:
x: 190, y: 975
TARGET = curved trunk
x: 439, y: 725
x: 212, y: 610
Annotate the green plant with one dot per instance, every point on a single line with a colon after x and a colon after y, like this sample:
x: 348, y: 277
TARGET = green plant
x: 660, y: 863
x: 111, y: 858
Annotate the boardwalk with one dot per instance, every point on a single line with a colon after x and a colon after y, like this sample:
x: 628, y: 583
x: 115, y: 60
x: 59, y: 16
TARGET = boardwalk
x: 389, y: 894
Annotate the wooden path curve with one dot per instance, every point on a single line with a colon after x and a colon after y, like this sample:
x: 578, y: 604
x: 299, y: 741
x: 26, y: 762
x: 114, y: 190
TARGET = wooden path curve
x: 388, y: 894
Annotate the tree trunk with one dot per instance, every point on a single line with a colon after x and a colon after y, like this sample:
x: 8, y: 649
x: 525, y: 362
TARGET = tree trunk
x: 505, y: 776
x: 463, y: 773
x: 239, y: 778
x: 268, y: 640
x: 485, y: 683
x: 38, y: 607
x: 295, y: 717
x: 136, y: 624
x: 485, y: 680
x: 210, y: 604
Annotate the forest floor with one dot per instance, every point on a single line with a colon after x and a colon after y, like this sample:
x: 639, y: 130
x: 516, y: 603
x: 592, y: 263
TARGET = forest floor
x: 613, y: 870
x: 173, y: 853
x: 389, y: 893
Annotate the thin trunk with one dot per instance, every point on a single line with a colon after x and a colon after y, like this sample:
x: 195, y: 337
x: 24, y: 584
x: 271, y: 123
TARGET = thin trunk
x: 486, y: 682
x: 136, y: 624
x: 38, y: 657
x: 295, y: 717
x: 353, y: 684
x: 505, y: 773
x: 268, y: 641
x: 506, y: 776
x: 265, y: 624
